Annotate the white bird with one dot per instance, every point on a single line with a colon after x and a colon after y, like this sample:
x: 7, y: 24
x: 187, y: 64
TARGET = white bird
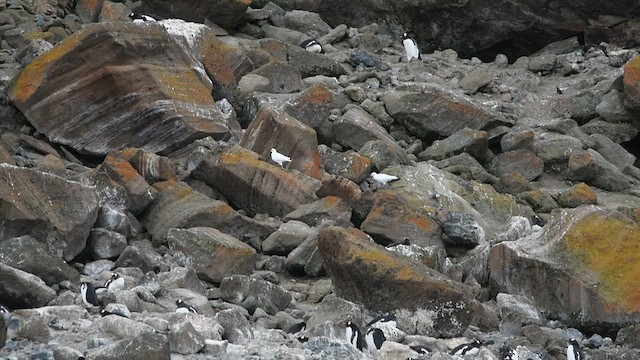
x: 383, y: 178
x: 279, y: 158
x: 410, y: 47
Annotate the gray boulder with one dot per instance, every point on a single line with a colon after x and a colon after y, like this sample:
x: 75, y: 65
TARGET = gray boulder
x: 20, y: 289
x: 286, y: 238
x: 26, y: 254
x: 184, y: 339
x: 515, y: 312
x: 105, y: 244
x: 148, y: 345
x: 236, y: 327
x: 252, y: 293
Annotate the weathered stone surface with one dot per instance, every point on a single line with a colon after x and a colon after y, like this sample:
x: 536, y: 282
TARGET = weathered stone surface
x: 330, y: 208
x: 356, y: 127
x: 255, y: 185
x: 350, y: 164
x: 105, y: 244
x: 593, y: 168
x: 611, y: 107
x: 518, y: 140
x: 579, y: 194
x: 180, y: 277
x: 236, y: 327
x: 177, y: 205
x: 274, y: 129
x: 631, y: 80
x: 123, y: 328
x: 520, y: 161
x: 383, y: 281
x: 436, y: 112
x: 281, y: 78
x: 184, y: 339
x: 515, y: 312
x: 252, y: 293
x: 54, y: 211
x: 613, y: 152
x: 306, y: 258
x: 142, y: 255
x: 571, y: 269
x: 20, y: 289
x: 475, y: 79
x: 466, y: 140
x: 619, y: 133
x: 554, y: 148
x: 286, y: 238
x: 143, y: 347
x: 212, y: 254
x: 313, y: 105
x: 137, y: 192
x: 226, y: 13
x: 26, y: 254
x: 169, y: 85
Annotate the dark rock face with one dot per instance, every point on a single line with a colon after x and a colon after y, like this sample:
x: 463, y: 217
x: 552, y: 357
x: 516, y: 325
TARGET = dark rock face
x: 54, y: 211
x: 19, y: 289
x: 169, y: 104
x: 369, y: 274
x: 226, y: 13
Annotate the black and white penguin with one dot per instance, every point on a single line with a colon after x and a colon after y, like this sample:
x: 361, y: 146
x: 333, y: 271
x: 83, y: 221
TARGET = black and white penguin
x: 420, y: 349
x: 88, y: 292
x: 574, y: 352
x: 296, y: 328
x: 4, y: 309
x: 354, y: 335
x: 375, y: 338
x: 471, y: 348
x: 383, y: 320
x: 141, y: 18
x: 507, y: 353
x: 302, y: 339
x: 411, y: 48
x: 105, y: 312
x: 115, y: 283
x: 312, y: 45
x: 183, y: 307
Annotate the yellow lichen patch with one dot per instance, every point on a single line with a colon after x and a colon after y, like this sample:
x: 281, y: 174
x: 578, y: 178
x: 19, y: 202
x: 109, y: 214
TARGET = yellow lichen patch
x: 608, y: 248
x: 31, y: 76
x: 182, y: 84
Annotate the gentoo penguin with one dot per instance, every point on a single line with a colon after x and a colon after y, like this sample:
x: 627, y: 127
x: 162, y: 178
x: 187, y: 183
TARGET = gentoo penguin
x: 471, y: 348
x: 375, y: 337
x: 279, y: 158
x: 507, y: 353
x: 141, y: 18
x: 388, y: 320
x: 115, y: 283
x: 89, y: 297
x: 410, y: 47
x: 353, y: 334
x: 312, y: 45
x: 295, y: 328
x: 574, y: 352
x: 383, y: 178
x: 183, y: 307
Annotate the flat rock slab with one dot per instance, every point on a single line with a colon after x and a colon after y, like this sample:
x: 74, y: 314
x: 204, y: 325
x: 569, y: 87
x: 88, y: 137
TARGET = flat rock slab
x: 255, y: 185
x: 367, y: 273
x: 51, y: 209
x: 137, y: 85
x: 252, y: 293
x: 581, y: 268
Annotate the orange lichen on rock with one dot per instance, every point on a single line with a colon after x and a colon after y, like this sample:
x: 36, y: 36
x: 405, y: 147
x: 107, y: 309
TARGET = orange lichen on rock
x: 608, y: 248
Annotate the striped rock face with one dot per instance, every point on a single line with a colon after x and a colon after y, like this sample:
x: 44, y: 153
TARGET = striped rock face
x: 116, y: 85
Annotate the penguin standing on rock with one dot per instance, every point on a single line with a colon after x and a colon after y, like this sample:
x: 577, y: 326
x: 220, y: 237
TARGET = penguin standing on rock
x: 312, y: 45
x: 139, y: 18
x: 183, y: 307
x: 115, y: 283
x: 411, y: 48
x: 89, y: 296
x: 375, y: 338
x: 574, y: 352
x: 296, y: 328
x: 354, y: 335
x: 471, y: 348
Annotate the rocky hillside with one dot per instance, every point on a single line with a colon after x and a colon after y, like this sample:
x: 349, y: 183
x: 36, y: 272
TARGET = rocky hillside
x: 146, y: 150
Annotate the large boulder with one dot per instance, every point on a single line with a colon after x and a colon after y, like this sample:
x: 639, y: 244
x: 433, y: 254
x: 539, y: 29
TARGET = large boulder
x: 51, y: 209
x: 572, y: 270
x: 20, y: 289
x: 631, y: 80
x: 149, y: 345
x: 137, y: 85
x: 367, y: 273
x: 255, y: 185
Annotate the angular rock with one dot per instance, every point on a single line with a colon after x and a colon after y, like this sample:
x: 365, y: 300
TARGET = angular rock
x: 306, y: 22
x: 255, y: 185
x: 184, y: 339
x: 631, y: 80
x: 212, y: 254
x: 54, y: 211
x: 383, y: 153
x: 579, y: 194
x: 570, y: 270
x: 518, y: 140
x: 462, y: 229
x: 177, y: 205
x: 313, y: 106
x: 466, y: 140
x: 611, y: 108
x: 143, y: 347
x: 308, y: 63
x: 350, y: 164
x: 593, y: 168
x: 519, y: 161
x: 273, y: 129
x: 179, y: 277
x: 367, y: 273
x: 286, y: 238
x: 436, y: 112
x: 252, y: 293
x: 67, y: 353
x: 105, y: 244
x: 356, y: 127
x: 543, y: 63
x: 141, y: 254
x: 123, y: 328
x: 306, y: 259
x: 236, y: 327
x: 137, y: 192
x: 225, y: 13
x: 515, y: 312
x: 26, y: 254
x: 554, y: 148
x: 613, y: 152
x: 474, y: 80
x: 619, y: 133
x: 330, y: 208
x: 35, y: 329
x: 168, y: 106
x: 20, y: 289
x: 281, y: 78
